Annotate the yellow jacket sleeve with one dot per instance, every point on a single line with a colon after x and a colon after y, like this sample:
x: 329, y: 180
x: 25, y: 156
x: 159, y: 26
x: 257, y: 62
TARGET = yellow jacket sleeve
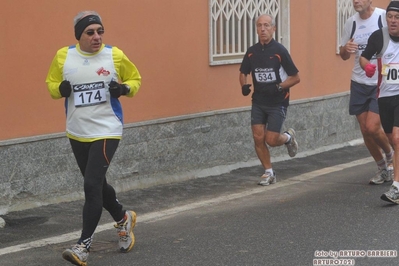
x: 127, y: 71
x: 55, y: 73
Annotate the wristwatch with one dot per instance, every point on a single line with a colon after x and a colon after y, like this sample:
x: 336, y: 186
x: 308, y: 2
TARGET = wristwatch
x: 128, y: 88
x: 279, y: 88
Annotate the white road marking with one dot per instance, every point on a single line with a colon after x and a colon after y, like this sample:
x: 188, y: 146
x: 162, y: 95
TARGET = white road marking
x: 153, y: 216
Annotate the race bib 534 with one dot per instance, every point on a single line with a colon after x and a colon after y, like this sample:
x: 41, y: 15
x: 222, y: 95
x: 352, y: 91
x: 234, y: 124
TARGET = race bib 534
x: 265, y: 75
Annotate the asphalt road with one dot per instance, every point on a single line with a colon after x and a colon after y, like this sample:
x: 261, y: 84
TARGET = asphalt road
x: 321, y: 211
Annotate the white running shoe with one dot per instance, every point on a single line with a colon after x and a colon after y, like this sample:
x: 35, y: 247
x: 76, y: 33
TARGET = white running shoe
x: 77, y: 255
x: 267, y: 179
x: 125, y: 232
x: 392, y: 195
x: 383, y: 175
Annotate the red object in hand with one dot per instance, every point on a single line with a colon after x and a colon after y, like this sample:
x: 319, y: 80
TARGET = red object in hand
x: 370, y: 70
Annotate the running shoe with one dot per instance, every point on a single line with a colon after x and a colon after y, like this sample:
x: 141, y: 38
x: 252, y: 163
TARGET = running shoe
x: 267, y: 179
x: 77, y: 255
x: 292, y: 145
x: 383, y: 175
x: 125, y: 232
x: 392, y: 195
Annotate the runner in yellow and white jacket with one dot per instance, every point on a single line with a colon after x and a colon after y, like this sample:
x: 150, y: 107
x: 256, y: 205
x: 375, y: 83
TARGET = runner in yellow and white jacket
x: 91, y: 77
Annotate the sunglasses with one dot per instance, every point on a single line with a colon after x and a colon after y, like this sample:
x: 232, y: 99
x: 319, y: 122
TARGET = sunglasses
x: 91, y: 32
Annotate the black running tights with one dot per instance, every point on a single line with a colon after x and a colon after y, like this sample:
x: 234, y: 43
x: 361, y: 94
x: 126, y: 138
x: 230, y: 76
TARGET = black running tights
x: 93, y: 159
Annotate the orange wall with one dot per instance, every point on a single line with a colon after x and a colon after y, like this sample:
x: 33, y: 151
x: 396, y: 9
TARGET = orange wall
x: 168, y: 42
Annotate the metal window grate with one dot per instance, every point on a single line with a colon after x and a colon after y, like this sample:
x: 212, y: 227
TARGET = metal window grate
x: 232, y: 27
x: 344, y: 11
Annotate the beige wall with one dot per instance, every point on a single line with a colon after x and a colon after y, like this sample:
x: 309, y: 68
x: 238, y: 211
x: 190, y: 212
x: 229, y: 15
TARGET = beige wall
x: 168, y: 42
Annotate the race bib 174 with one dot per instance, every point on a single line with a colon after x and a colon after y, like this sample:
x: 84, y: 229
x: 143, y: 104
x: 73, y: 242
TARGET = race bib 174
x: 89, y: 94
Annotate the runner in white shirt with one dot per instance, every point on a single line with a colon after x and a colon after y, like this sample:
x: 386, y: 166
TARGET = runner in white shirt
x: 363, y: 90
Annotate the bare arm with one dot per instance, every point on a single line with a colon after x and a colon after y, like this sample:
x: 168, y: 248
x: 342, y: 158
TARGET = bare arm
x: 363, y: 62
x: 290, y: 81
x: 343, y: 53
x: 243, y: 79
x: 349, y: 48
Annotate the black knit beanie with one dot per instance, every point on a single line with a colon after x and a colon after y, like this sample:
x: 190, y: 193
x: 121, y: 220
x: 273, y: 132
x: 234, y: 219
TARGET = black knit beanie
x: 84, y: 22
x: 393, y: 6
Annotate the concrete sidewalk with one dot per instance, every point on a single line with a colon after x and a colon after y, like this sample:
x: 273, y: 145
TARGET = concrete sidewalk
x: 47, y: 221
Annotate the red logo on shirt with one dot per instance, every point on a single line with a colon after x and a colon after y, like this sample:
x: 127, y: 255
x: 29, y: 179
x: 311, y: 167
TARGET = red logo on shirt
x: 102, y: 71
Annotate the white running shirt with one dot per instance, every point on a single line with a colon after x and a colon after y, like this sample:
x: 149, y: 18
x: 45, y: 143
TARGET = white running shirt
x: 364, y: 28
x: 390, y: 70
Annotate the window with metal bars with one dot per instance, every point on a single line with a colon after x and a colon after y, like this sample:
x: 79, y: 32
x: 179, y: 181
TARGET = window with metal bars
x: 233, y: 30
x: 344, y: 11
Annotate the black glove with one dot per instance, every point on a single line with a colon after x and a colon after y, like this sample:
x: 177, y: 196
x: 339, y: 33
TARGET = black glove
x: 65, y: 88
x: 245, y: 89
x: 116, y: 89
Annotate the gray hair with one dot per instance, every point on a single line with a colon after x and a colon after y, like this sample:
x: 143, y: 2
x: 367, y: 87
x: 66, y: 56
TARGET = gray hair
x: 83, y: 14
x: 267, y: 15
